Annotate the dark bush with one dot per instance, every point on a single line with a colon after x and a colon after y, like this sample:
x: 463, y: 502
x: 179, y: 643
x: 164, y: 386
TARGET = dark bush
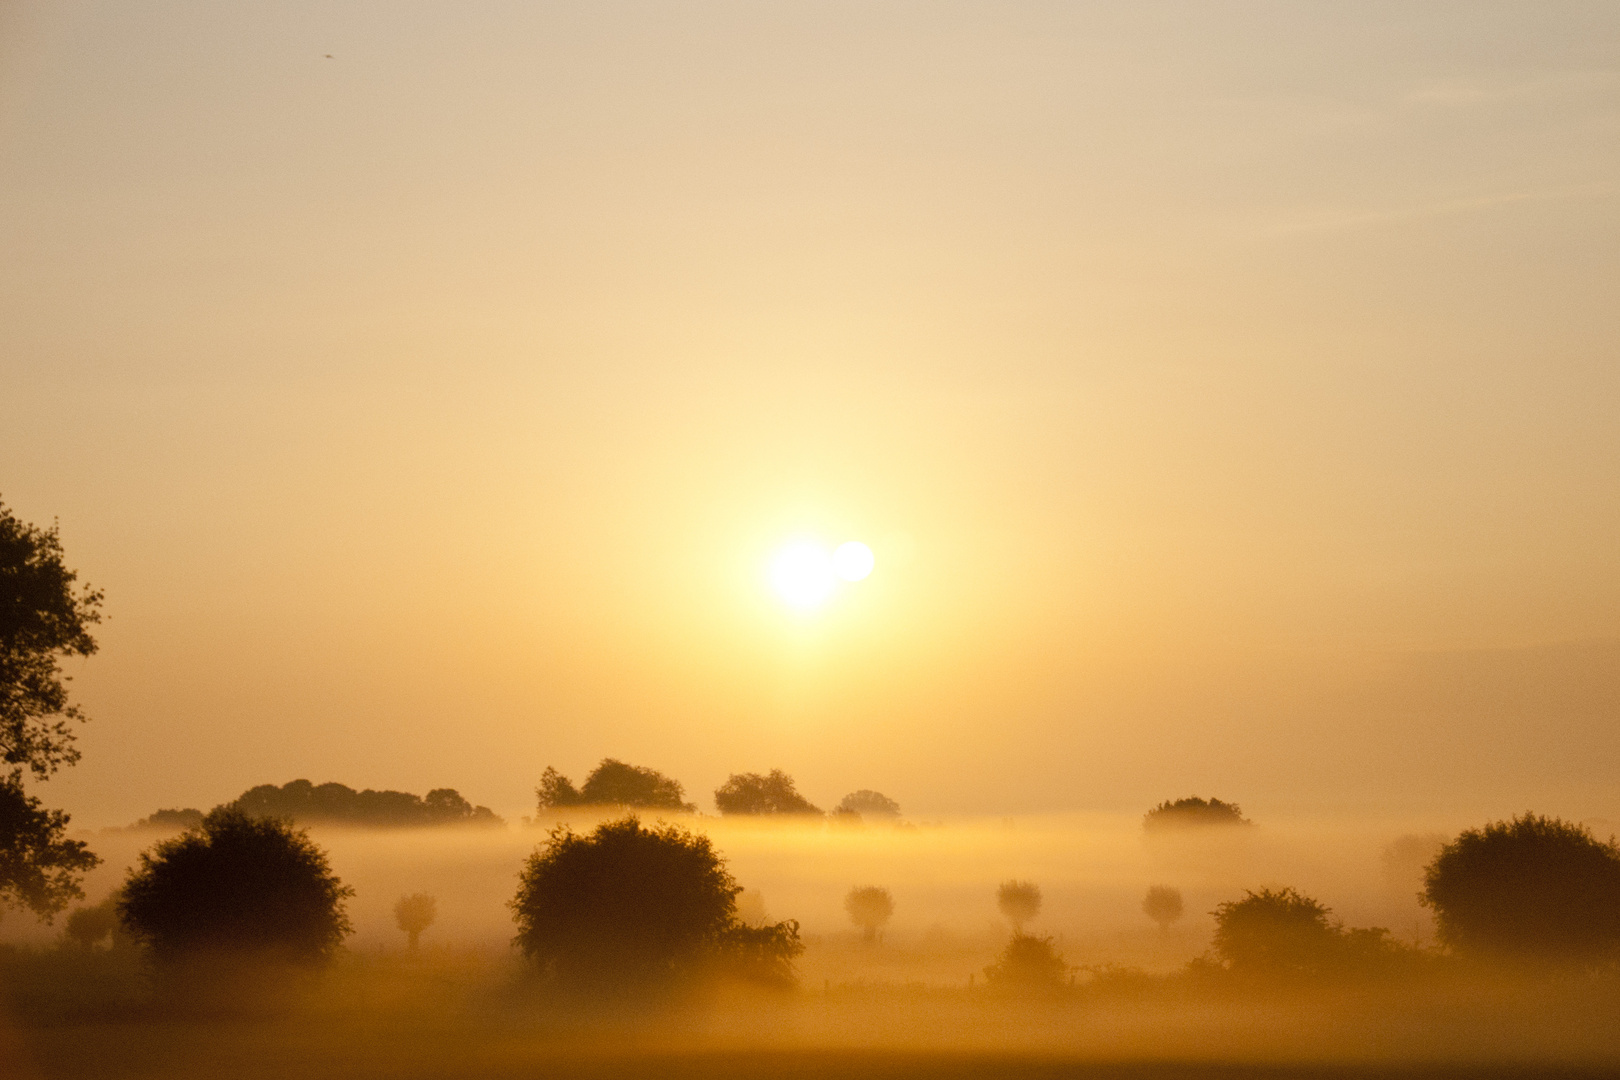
x: 1284, y: 934
x: 236, y: 886
x: 1275, y: 932
x: 1530, y: 889
x: 628, y: 907
x: 1028, y: 963
x: 1193, y: 812
x: 751, y: 793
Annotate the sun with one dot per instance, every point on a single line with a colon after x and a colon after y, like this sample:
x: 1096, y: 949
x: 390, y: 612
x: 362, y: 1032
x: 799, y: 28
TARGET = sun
x: 853, y: 561
x: 805, y: 575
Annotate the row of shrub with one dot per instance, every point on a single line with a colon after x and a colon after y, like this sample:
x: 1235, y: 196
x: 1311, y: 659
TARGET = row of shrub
x: 632, y: 905
x: 339, y: 804
x: 612, y: 784
x: 615, y: 784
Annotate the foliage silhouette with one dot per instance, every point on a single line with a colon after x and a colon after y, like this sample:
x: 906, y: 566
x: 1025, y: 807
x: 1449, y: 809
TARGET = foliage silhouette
x: 868, y: 804
x: 1020, y: 902
x: 40, y: 867
x: 88, y: 926
x: 1534, y: 889
x: 751, y: 793
x: 557, y: 791
x: 42, y: 620
x: 869, y: 907
x: 1163, y: 905
x: 1193, y: 812
x: 339, y: 804
x: 1275, y: 932
x: 188, y: 818
x: 613, y: 783
x: 1028, y: 963
x: 414, y: 914
x: 630, y: 907
x: 236, y: 886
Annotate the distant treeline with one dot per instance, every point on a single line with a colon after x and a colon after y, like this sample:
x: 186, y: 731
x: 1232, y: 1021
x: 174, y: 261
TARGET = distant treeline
x: 339, y: 804
x: 615, y: 784
x: 1193, y: 812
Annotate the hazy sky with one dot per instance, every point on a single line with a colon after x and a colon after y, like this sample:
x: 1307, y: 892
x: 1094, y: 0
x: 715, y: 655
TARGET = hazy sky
x: 1228, y: 390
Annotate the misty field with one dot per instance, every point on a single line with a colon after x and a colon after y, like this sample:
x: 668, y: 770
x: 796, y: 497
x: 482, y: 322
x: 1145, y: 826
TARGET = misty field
x: 913, y: 1002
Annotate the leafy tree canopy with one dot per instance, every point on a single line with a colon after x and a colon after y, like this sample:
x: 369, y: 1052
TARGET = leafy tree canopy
x: 1283, y: 933
x: 1274, y: 931
x: 751, y: 793
x: 42, y: 620
x: 613, y: 783
x: 1019, y: 901
x: 338, y: 804
x: 236, y: 885
x: 1193, y: 811
x: 1533, y: 888
x: 1163, y: 905
x: 414, y: 914
x: 868, y: 804
x: 869, y: 907
x: 631, y: 906
x: 39, y: 866
x: 188, y: 818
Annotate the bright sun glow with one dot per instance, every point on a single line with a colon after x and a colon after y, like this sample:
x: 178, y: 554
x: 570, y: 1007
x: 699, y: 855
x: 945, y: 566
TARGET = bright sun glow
x: 804, y: 574
x: 853, y: 560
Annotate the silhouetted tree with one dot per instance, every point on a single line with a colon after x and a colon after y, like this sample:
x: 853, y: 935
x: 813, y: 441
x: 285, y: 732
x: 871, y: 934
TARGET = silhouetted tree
x: 630, y: 906
x: 1275, y: 932
x: 869, y: 907
x: 557, y: 791
x: 1193, y: 811
x: 1530, y: 889
x: 1027, y: 964
x: 1163, y: 905
x: 42, y: 620
x: 39, y: 867
x: 751, y: 793
x: 339, y: 804
x: 236, y: 885
x: 613, y: 783
x: 414, y: 914
x: 177, y: 820
x: 1019, y: 901
x: 88, y: 926
x: 868, y: 804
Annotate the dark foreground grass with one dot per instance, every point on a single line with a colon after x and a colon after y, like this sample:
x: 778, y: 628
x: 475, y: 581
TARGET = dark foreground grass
x: 441, y: 1014
x: 182, y: 1053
